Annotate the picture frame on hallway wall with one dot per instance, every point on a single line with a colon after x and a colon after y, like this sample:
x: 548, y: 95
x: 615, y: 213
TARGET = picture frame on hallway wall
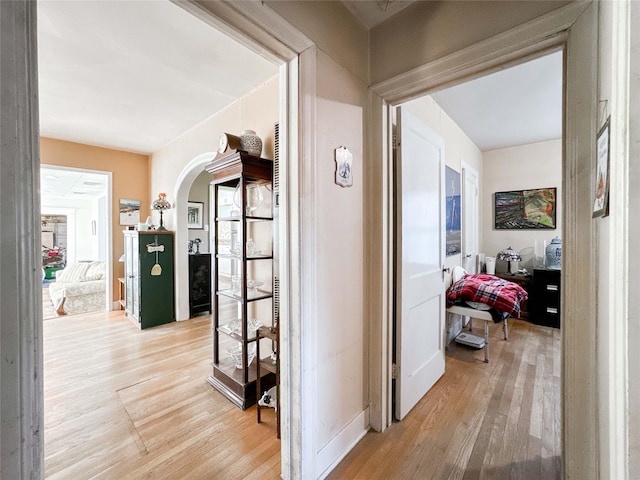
x: 453, y: 211
x: 601, y: 192
x: 533, y: 209
x: 195, y: 212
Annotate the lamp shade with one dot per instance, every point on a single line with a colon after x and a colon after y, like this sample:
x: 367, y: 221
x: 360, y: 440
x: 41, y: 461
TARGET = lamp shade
x: 508, y: 254
x: 161, y: 202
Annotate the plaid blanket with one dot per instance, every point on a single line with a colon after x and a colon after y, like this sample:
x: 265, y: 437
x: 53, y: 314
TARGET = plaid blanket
x: 496, y: 292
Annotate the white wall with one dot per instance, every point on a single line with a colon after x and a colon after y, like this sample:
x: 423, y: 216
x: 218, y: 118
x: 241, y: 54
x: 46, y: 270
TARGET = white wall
x: 200, y: 193
x: 80, y: 241
x: 537, y: 165
x: 458, y: 147
x: 338, y: 253
x: 258, y: 110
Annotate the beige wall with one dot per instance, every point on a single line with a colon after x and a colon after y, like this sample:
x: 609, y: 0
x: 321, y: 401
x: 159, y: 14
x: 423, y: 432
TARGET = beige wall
x: 339, y: 255
x: 258, y: 110
x: 458, y: 147
x: 130, y: 179
x: 537, y: 165
x: 332, y: 28
x: 426, y: 31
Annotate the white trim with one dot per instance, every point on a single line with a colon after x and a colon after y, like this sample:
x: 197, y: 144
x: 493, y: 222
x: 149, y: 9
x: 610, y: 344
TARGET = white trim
x: 21, y: 387
x: 110, y: 303
x: 621, y: 198
x: 185, y: 179
x: 579, y: 284
x: 252, y: 24
x: 303, y: 340
x: 466, y: 170
x: 332, y: 453
x: 532, y: 39
x: 287, y: 245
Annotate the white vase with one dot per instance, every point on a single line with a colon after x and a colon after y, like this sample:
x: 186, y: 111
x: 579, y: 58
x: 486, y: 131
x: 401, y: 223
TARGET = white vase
x: 251, y: 143
x: 554, y: 254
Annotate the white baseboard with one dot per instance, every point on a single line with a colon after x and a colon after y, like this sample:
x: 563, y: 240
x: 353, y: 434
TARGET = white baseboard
x: 334, y: 451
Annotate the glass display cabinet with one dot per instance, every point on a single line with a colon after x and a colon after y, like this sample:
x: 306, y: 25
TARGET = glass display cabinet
x: 243, y: 272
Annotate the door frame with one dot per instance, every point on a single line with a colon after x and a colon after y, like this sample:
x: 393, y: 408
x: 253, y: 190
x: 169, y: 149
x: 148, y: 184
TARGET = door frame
x: 465, y: 169
x: 108, y: 222
x: 572, y: 28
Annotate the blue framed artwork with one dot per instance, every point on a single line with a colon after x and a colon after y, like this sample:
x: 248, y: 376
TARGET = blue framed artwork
x: 453, y: 198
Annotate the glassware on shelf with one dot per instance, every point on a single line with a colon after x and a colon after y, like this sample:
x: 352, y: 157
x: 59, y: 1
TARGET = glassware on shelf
x: 235, y: 284
x: 251, y: 248
x: 237, y: 202
x: 254, y: 198
x: 235, y: 352
x: 253, y: 285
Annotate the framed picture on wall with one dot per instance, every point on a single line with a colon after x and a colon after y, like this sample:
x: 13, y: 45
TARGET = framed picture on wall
x: 195, y: 212
x: 129, y: 211
x: 601, y: 194
x: 452, y: 191
x: 525, y: 209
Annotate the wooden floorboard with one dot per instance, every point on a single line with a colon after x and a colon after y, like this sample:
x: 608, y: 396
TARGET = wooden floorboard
x: 121, y: 403
x: 480, y: 421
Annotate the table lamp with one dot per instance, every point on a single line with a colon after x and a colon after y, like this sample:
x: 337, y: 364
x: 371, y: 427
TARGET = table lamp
x: 161, y: 204
x: 511, y: 256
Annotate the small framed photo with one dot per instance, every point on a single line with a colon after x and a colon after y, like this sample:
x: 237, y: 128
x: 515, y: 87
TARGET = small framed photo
x: 129, y: 211
x: 195, y: 212
x: 601, y: 193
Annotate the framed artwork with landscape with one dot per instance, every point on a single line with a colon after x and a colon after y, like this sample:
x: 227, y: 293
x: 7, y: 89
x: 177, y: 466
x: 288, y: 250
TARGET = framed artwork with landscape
x: 195, y: 211
x: 129, y: 211
x: 525, y: 209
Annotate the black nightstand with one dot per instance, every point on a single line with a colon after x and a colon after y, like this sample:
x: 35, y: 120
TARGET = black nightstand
x: 545, y: 297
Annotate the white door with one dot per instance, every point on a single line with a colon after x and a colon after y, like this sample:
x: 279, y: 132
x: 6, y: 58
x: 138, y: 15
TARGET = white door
x: 470, y: 218
x: 420, y: 300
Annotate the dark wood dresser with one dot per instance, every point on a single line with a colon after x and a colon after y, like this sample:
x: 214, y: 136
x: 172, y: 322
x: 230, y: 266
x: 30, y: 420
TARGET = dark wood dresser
x: 545, y: 297
x: 525, y: 282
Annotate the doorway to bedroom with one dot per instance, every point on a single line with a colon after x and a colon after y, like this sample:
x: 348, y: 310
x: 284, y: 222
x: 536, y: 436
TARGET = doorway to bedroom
x: 511, y: 141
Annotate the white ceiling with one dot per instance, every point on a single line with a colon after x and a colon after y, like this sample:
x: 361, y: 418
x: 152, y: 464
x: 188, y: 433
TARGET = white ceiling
x: 372, y: 12
x: 71, y: 184
x: 135, y: 75
x: 515, y: 106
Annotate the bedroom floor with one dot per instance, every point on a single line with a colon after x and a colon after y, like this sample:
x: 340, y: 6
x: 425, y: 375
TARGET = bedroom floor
x: 480, y: 421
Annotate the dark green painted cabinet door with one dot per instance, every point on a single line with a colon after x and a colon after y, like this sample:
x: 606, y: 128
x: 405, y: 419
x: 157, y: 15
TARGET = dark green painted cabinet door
x: 155, y: 278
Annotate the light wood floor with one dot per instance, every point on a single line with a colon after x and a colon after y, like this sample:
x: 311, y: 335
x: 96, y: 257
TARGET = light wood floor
x: 121, y: 403
x: 47, y: 306
x: 497, y: 421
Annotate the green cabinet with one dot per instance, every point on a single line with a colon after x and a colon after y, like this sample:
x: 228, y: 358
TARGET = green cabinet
x: 149, y: 272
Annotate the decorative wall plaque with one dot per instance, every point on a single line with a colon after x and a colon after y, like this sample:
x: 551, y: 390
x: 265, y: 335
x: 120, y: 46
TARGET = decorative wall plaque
x: 344, y: 161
